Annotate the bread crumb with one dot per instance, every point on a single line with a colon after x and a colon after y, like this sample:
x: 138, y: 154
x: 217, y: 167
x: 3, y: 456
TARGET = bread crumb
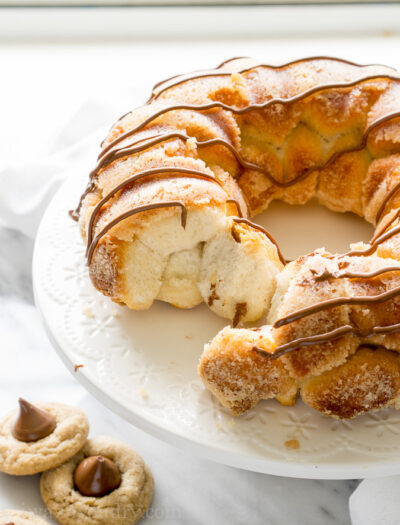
x: 88, y: 311
x: 231, y: 423
x: 191, y: 144
x: 292, y: 443
x: 76, y: 367
x: 144, y: 393
x: 188, y: 337
x: 236, y: 77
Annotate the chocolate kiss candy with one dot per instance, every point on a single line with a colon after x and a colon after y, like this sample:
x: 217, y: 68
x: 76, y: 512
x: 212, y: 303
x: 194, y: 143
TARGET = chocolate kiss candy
x: 32, y: 423
x: 96, y: 476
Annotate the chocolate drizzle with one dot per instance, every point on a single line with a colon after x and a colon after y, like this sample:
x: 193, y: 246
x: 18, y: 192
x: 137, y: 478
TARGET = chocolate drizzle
x: 215, y: 73
x: 326, y: 337
x: 269, y: 66
x: 355, y: 275
x: 198, y: 174
x: 226, y: 62
x: 253, y: 107
x: 331, y: 303
x: 110, y: 153
x: 137, y: 177
x: 385, y: 201
x: 139, y: 209
x: 337, y: 301
x: 106, y: 156
x: 129, y: 150
x: 374, y: 244
x: 126, y: 151
x: 265, y: 232
x: 238, y: 208
x: 93, y: 176
x: 105, y: 160
x: 32, y: 423
x: 179, y: 75
x: 380, y: 231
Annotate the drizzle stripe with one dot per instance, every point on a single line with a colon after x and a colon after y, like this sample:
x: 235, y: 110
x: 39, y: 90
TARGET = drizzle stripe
x: 196, y: 174
x: 214, y: 73
x: 337, y: 301
x: 126, y: 151
x: 90, y: 187
x: 386, y: 226
x: 387, y: 198
x: 265, y: 232
x: 139, y: 209
x: 325, y: 337
x: 239, y: 209
x: 247, y: 109
x: 374, y: 245
x: 358, y: 275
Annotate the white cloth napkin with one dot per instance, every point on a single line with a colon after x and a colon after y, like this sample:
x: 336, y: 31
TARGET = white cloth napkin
x: 26, y: 188
x: 25, y: 191
x: 376, y: 502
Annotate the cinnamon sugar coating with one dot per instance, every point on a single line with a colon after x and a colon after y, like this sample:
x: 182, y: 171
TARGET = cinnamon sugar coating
x: 239, y: 137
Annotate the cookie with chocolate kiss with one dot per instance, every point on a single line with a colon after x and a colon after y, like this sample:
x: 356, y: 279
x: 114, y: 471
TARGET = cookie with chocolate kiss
x: 20, y: 517
x: 40, y: 436
x: 106, y: 482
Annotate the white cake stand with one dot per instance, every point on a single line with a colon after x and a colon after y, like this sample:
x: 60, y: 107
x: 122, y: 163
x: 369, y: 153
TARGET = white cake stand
x: 142, y: 365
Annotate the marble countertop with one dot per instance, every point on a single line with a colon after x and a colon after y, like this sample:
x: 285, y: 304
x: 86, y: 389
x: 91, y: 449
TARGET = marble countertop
x: 188, y: 489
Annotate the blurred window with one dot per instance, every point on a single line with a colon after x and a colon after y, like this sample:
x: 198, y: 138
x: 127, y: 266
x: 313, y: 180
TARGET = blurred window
x: 66, y: 3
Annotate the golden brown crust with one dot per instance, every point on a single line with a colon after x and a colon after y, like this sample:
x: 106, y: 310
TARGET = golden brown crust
x: 369, y: 380
x: 240, y: 377
x: 339, y: 377
x: 285, y: 140
x: 252, y: 133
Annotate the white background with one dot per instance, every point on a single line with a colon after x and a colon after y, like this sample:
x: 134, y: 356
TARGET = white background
x: 52, y: 61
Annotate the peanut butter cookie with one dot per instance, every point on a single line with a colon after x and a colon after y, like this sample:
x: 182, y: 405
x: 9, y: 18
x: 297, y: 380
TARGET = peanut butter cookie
x: 20, y: 517
x: 40, y: 437
x: 107, y: 482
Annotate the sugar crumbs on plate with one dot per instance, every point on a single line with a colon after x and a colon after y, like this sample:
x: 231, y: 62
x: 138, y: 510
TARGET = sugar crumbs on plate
x: 293, y: 444
x: 88, y: 311
x: 144, y: 393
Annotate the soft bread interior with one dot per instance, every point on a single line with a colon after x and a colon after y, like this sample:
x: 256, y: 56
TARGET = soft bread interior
x: 210, y: 259
x: 238, y: 273
x: 163, y: 262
